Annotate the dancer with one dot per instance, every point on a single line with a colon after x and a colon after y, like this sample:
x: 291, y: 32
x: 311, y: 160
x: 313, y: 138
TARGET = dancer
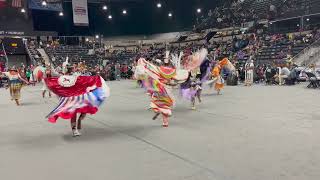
x: 15, y: 84
x: 191, y: 89
x: 205, y: 71
x: 47, y: 74
x: 157, y: 81
x: 195, y: 64
x: 216, y: 73
x: 78, y: 95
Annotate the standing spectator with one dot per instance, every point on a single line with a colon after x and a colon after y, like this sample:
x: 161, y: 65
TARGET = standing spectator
x: 28, y: 74
x: 249, y: 67
x: 117, y: 71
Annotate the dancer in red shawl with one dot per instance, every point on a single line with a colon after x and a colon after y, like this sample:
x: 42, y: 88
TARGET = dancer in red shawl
x: 78, y: 95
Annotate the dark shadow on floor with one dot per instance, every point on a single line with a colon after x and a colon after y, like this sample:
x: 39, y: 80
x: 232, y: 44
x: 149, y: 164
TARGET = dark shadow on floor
x: 30, y: 103
x: 90, y: 133
x: 211, y: 94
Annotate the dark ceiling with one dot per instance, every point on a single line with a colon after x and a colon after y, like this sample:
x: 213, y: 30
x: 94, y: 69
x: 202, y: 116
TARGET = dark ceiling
x: 143, y: 17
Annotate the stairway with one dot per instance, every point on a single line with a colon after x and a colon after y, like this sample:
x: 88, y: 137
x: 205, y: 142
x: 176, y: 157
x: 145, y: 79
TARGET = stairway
x: 44, y: 55
x: 309, y: 55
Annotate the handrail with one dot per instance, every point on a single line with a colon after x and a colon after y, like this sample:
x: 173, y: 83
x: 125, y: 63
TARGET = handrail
x: 7, y: 60
x: 29, y: 53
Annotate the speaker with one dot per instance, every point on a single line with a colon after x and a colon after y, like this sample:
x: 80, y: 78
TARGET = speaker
x: 210, y: 35
x: 83, y: 40
x: 232, y: 80
x: 38, y: 39
x: 182, y: 38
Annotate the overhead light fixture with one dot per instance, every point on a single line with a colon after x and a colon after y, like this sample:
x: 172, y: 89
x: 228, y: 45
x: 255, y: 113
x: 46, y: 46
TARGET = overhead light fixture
x: 124, y: 11
x: 308, y: 19
x: 23, y: 10
x: 104, y: 7
x: 298, y: 25
x: 87, y: 39
x: 198, y: 10
x: 61, y: 14
x: 159, y: 5
x: 170, y: 14
x: 270, y: 22
x: 44, y: 3
x: 97, y: 36
x: 110, y: 17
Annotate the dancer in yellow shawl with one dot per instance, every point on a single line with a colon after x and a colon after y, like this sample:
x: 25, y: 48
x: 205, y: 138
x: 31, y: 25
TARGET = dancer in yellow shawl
x: 15, y: 84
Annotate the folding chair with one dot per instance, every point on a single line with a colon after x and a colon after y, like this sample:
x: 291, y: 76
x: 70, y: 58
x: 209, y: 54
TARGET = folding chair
x: 314, y: 81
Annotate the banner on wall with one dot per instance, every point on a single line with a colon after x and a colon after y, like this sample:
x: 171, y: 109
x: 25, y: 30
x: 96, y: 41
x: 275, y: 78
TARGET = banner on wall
x: 11, y: 3
x: 52, y: 5
x: 80, y: 12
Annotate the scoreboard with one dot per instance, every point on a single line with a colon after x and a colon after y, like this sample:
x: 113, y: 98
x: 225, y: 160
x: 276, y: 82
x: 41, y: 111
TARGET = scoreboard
x: 14, y: 46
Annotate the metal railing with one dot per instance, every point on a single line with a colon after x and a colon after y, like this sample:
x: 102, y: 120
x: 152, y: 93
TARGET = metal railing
x: 5, y: 55
x: 33, y: 61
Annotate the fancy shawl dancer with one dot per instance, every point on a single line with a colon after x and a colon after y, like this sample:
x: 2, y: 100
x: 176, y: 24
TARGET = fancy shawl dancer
x: 191, y: 88
x: 216, y: 73
x: 41, y: 72
x: 15, y: 84
x: 157, y: 80
x: 78, y: 95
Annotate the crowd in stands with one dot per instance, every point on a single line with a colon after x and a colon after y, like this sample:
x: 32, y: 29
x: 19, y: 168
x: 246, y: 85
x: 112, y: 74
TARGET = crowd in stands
x: 236, y: 12
x: 239, y: 49
x: 265, y: 49
x: 231, y: 14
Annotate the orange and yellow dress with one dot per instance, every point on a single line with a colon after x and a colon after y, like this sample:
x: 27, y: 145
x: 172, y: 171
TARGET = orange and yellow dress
x: 218, y: 80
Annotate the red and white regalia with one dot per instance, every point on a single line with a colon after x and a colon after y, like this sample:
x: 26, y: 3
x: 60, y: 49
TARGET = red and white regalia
x: 77, y: 94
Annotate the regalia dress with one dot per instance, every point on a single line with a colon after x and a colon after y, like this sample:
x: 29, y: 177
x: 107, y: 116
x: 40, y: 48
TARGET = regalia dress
x: 157, y: 80
x: 77, y: 95
x: 15, y: 84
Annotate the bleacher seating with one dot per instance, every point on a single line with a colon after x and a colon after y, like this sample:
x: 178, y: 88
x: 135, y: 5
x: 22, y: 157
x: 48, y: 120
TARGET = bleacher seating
x: 75, y: 54
x: 32, y: 48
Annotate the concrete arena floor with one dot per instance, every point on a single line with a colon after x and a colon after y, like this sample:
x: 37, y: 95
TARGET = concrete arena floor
x: 255, y: 133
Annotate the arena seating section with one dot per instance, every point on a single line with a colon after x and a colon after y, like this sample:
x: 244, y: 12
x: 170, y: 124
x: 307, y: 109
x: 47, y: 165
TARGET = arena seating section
x: 76, y: 54
x: 233, y: 14
x: 268, y: 49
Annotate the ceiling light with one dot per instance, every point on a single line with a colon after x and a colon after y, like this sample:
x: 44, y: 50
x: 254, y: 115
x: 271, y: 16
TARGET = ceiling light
x: 61, y: 14
x: 198, y: 10
x: 87, y: 39
x: 97, y: 36
x: 170, y: 14
x: 110, y: 17
x: 159, y: 5
x: 124, y: 11
x: 104, y: 7
x: 23, y: 10
x: 44, y: 3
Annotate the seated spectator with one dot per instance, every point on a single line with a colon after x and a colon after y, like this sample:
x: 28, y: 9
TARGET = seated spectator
x: 284, y: 73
